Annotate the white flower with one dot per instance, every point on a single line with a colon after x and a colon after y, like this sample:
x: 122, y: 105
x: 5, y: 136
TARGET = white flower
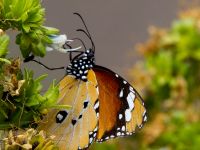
x: 58, y: 42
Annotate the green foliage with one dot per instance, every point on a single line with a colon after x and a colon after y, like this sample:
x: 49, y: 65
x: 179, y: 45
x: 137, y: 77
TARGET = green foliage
x: 27, y: 16
x: 171, y: 73
x: 187, y: 136
x: 21, y: 100
x: 4, y: 41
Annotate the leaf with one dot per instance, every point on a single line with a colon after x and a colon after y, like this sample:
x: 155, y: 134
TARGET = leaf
x: 50, y: 30
x: 4, y: 41
x: 34, y: 100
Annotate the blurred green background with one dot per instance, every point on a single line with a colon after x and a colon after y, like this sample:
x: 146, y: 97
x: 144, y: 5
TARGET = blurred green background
x: 169, y: 78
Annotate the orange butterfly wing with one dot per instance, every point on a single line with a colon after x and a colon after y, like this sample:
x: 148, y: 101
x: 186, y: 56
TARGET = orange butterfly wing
x: 72, y: 127
x: 121, y: 109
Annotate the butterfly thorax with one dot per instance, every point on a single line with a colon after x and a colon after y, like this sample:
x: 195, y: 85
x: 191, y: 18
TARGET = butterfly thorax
x: 80, y: 65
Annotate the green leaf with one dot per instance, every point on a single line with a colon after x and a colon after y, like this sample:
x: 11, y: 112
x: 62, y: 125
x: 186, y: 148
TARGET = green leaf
x: 4, y: 41
x: 34, y: 100
x: 50, y: 30
x: 5, y: 60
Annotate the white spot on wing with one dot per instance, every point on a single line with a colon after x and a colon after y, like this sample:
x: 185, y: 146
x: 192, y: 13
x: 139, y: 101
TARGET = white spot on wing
x: 112, y: 136
x: 131, y: 89
x: 118, y: 133
x: 128, y: 115
x: 123, y: 128
x: 121, y: 93
x: 145, y: 118
x: 59, y: 116
x: 124, y: 82
x: 97, y: 115
x: 94, y: 135
x: 96, y: 105
x: 120, y: 116
x: 130, y: 101
x: 107, y: 138
x: 91, y: 139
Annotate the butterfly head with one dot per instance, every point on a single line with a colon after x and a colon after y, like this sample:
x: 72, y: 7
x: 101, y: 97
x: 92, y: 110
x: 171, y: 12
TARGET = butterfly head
x: 81, y: 64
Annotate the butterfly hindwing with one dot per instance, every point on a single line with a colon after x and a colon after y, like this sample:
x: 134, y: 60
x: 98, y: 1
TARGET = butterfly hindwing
x: 121, y: 109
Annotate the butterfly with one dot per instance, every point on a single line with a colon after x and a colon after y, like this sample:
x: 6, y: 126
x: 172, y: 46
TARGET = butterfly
x: 104, y: 105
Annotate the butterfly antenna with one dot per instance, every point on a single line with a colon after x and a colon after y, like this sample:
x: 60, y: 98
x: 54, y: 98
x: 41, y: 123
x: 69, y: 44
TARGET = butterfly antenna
x: 87, y: 33
x: 81, y: 42
x: 81, y: 30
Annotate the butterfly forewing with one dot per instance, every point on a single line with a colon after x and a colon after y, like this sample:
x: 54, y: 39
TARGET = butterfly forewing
x: 72, y: 127
x: 121, y: 109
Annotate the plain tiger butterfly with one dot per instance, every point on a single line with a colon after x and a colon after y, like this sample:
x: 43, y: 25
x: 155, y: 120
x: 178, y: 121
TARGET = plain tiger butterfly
x: 104, y: 105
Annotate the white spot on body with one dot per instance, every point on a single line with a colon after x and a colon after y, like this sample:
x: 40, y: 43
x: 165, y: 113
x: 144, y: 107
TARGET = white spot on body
x: 80, y: 71
x: 117, y: 75
x: 83, y: 77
